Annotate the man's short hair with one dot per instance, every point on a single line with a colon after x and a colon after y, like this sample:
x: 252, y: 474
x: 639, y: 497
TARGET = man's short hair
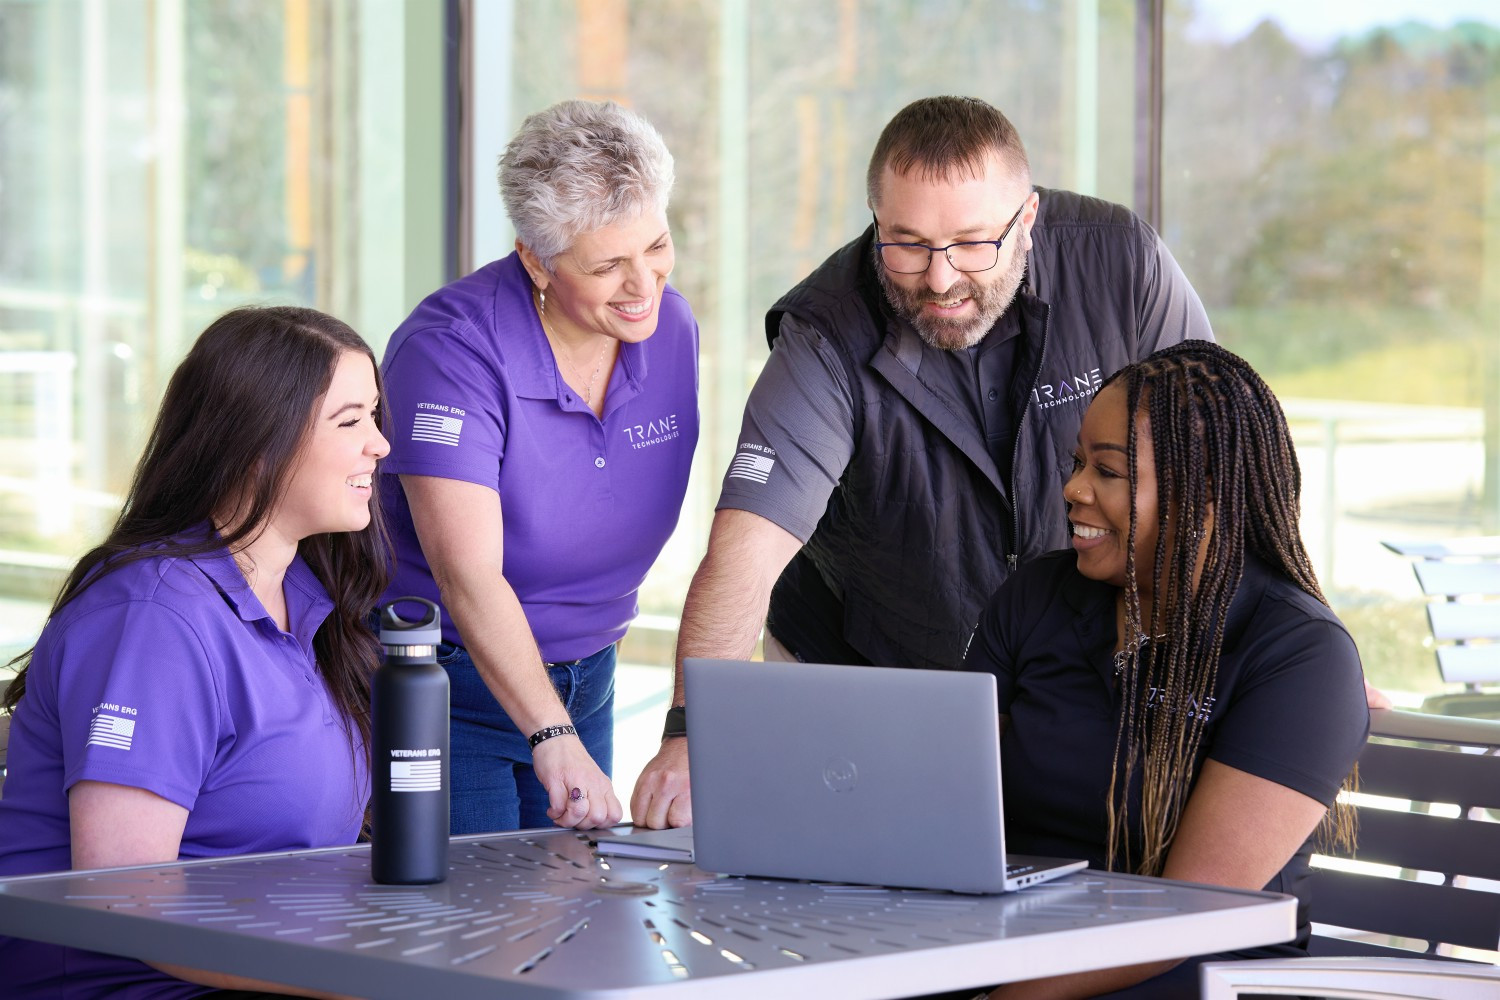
x: 941, y: 137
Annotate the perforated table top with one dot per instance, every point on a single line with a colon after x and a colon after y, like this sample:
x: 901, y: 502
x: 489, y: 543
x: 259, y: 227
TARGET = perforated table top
x: 537, y: 914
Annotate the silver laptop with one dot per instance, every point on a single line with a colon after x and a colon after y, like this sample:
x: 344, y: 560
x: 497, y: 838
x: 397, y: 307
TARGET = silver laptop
x: 873, y: 775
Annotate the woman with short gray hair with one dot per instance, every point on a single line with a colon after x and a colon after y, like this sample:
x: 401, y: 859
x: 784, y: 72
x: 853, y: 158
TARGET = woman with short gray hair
x: 577, y: 167
x: 544, y: 414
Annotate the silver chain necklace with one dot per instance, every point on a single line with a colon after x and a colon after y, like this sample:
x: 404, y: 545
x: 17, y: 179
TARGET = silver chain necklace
x: 558, y: 352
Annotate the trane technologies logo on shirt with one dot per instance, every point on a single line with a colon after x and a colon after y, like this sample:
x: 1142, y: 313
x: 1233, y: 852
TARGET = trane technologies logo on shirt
x: 437, y: 423
x: 111, y: 727
x: 663, y: 428
x: 754, y: 462
x: 1076, y: 387
x: 1190, y: 705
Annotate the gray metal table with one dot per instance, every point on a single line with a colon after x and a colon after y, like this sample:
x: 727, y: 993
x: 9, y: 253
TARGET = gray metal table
x: 537, y: 914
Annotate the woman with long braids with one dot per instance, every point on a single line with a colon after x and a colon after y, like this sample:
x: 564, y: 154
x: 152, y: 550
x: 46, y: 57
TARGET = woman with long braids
x: 201, y: 687
x: 1176, y: 697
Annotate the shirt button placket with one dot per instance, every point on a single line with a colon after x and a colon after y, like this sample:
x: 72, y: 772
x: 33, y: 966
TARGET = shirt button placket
x: 601, y: 490
x: 298, y: 658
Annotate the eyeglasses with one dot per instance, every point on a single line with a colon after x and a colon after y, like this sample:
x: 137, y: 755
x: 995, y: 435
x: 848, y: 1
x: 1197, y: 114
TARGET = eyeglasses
x: 970, y: 255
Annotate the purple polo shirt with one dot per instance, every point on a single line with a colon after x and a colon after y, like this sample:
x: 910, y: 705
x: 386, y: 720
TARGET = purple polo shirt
x: 168, y: 675
x: 587, y: 503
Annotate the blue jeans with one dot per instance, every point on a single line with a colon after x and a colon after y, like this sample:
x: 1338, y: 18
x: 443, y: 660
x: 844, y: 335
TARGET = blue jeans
x: 493, y: 785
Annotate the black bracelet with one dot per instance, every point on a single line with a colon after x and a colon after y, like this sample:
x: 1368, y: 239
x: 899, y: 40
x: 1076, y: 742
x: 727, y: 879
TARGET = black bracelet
x: 546, y: 734
x: 676, y: 722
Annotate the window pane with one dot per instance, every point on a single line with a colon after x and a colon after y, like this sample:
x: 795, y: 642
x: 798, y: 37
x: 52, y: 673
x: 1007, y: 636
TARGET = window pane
x: 772, y: 118
x: 1331, y: 189
x: 162, y: 161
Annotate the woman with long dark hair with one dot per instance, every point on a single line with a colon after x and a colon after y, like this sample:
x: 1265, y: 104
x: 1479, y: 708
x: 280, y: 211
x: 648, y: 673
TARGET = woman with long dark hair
x: 1176, y: 697
x: 201, y: 687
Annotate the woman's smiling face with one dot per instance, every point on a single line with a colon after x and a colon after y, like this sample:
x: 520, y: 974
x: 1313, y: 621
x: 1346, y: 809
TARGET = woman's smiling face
x: 611, y: 280
x: 330, y: 484
x: 1098, y: 492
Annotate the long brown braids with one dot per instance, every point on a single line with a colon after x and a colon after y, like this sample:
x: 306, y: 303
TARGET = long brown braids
x: 1225, y: 467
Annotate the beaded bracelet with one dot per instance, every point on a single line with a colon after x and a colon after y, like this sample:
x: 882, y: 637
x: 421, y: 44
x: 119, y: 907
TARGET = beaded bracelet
x: 546, y: 734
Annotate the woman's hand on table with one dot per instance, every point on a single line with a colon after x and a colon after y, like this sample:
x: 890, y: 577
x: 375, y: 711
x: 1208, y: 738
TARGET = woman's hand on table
x: 562, y: 765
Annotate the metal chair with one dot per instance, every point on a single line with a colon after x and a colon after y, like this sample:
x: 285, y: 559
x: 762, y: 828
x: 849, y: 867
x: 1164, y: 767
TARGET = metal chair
x: 1474, y: 547
x: 1357, y: 979
x: 1464, y: 576
x: 1424, y: 880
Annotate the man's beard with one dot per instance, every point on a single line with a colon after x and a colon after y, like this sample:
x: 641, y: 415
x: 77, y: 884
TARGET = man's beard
x: 990, y: 301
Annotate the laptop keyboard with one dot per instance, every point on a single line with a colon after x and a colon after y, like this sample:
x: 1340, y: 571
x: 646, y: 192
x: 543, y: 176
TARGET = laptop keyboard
x: 1011, y: 871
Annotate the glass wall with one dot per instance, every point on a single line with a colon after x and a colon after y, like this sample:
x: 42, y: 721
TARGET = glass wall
x: 162, y: 161
x: 771, y: 119
x: 1331, y: 184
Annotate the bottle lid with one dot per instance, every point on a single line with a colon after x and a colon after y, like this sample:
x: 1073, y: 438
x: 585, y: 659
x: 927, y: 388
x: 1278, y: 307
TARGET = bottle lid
x: 426, y: 630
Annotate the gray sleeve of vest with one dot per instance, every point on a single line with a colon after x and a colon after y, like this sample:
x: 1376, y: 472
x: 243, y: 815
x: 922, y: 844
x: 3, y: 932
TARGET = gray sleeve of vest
x: 797, y: 435
x: 1169, y: 309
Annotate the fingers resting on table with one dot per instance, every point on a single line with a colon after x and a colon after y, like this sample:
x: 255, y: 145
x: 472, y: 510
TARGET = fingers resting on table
x: 661, y: 797
x: 579, y: 793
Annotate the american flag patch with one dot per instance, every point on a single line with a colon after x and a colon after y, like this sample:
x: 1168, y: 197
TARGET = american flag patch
x: 436, y: 428
x: 416, y: 775
x: 111, y: 731
x: 756, y: 468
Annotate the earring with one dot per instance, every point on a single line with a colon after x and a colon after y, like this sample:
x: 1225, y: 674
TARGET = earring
x: 541, y: 299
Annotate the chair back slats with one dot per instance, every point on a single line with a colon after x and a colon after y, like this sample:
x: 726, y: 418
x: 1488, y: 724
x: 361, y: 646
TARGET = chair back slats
x: 1465, y: 772
x: 1428, y: 775
x: 1432, y: 913
x: 1464, y: 611
x: 1452, y: 622
x: 1333, y: 947
x: 1470, y: 664
x: 1473, y: 547
x: 1429, y: 843
x: 1455, y: 579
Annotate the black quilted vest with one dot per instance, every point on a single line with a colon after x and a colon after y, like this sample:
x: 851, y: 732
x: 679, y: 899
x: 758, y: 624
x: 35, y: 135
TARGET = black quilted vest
x: 921, y: 530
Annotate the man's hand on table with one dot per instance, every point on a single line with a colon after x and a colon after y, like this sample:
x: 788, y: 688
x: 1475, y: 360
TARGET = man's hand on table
x: 661, y: 793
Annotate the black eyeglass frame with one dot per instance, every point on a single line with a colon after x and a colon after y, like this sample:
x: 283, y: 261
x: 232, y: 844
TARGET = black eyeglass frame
x: 997, y: 243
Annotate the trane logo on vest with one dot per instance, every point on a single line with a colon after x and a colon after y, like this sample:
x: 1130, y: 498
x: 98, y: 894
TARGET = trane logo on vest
x: 1073, y: 388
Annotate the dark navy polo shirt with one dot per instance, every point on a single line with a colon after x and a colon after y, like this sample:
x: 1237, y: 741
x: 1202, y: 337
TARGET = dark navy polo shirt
x: 1288, y: 706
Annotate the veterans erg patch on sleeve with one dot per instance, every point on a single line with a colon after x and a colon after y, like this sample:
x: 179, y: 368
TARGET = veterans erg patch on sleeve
x: 437, y: 428
x: 111, y: 731
x: 752, y: 466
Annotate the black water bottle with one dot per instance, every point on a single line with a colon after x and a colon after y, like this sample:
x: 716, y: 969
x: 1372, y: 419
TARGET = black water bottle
x: 409, y: 733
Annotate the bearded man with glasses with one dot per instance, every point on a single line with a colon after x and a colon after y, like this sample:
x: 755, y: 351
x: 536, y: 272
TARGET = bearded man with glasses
x: 906, y: 445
